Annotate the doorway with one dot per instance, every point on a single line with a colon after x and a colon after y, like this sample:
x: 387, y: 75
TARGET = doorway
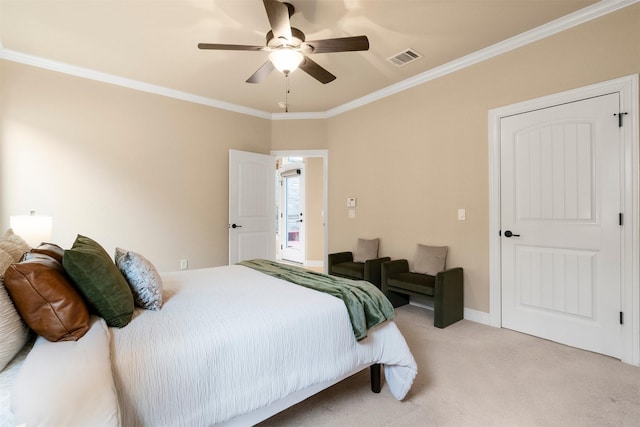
x: 301, y: 199
x: 585, y: 282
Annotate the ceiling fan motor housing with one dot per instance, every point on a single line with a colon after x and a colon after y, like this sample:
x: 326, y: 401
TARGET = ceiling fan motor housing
x: 298, y: 38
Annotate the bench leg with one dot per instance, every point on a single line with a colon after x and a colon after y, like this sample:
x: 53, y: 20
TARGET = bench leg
x: 376, y: 383
x: 448, y: 302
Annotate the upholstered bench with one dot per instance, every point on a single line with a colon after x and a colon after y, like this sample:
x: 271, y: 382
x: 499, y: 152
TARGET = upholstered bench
x: 364, y: 264
x: 444, y: 286
x: 341, y: 264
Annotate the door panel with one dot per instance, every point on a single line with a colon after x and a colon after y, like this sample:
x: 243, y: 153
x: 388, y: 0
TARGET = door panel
x: 561, y: 196
x: 251, y: 206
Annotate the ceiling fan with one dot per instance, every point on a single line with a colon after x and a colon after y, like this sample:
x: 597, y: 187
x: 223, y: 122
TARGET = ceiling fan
x: 288, y: 47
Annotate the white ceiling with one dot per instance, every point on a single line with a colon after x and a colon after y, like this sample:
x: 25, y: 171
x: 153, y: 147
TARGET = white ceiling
x: 154, y: 42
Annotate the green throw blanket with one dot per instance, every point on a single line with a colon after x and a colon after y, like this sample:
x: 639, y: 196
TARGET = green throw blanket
x: 367, y: 306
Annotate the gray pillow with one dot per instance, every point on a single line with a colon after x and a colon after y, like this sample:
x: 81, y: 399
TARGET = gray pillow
x: 429, y: 259
x: 143, y: 279
x: 366, y: 250
x: 14, y: 245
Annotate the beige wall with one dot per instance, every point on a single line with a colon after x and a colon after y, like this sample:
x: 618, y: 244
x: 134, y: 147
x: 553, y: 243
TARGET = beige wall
x: 306, y: 134
x: 127, y: 168
x: 414, y: 158
x: 314, y: 211
x: 150, y: 173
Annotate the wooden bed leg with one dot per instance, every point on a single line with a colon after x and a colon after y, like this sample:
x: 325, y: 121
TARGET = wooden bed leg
x: 376, y: 384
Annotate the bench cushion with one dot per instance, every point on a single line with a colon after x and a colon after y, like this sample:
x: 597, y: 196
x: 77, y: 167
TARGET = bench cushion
x: 349, y: 269
x: 414, y: 282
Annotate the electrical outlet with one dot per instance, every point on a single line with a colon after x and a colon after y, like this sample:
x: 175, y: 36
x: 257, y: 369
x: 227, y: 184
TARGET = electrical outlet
x: 352, y: 213
x: 184, y: 264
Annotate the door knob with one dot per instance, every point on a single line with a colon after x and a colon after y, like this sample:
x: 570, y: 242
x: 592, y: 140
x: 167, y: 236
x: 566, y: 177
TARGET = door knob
x: 235, y: 226
x: 508, y: 233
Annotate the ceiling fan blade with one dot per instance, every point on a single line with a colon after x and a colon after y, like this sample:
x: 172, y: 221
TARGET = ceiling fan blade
x: 262, y: 73
x: 278, y: 14
x: 344, y: 44
x: 228, y: 46
x: 316, y: 71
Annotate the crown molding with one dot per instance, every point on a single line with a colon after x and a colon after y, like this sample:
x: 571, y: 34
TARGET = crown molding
x: 299, y: 116
x: 581, y: 16
x: 589, y: 13
x: 23, y: 58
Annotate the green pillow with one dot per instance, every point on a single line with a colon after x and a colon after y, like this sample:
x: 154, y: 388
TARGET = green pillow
x: 99, y: 281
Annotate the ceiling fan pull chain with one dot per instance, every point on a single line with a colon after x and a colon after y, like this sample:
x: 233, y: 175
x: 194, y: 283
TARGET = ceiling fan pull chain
x: 286, y: 93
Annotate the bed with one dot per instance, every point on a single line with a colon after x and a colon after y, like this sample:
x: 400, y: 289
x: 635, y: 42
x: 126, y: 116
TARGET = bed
x: 231, y: 346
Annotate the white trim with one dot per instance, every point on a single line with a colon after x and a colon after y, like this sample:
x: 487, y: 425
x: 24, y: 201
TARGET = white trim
x: 477, y: 316
x: 422, y: 302
x: 628, y: 89
x: 299, y: 116
x: 325, y: 187
x: 581, y: 16
x: 314, y: 263
x: 468, y: 314
x: 23, y: 58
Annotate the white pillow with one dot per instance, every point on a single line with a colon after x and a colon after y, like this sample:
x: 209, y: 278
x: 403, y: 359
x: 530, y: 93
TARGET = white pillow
x: 68, y: 383
x: 14, y: 333
x: 429, y: 259
x: 366, y: 250
x: 143, y: 278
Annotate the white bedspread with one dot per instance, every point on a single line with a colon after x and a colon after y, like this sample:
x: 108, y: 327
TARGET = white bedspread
x: 228, y: 341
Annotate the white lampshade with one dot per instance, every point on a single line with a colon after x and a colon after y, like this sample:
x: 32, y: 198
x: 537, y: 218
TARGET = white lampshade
x: 286, y: 59
x: 34, y: 229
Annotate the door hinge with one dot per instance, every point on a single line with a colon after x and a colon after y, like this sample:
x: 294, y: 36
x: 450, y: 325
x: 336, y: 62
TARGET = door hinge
x: 620, y: 118
x: 621, y: 318
x: 620, y: 218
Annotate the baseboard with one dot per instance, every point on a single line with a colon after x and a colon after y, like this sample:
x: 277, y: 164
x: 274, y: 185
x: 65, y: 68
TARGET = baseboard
x: 421, y: 302
x: 311, y: 263
x: 469, y: 314
x: 477, y: 316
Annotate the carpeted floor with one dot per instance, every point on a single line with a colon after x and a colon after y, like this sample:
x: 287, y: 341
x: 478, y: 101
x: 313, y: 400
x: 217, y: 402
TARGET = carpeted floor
x: 475, y: 375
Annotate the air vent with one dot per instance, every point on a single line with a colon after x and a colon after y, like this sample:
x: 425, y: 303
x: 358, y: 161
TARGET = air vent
x: 403, y: 58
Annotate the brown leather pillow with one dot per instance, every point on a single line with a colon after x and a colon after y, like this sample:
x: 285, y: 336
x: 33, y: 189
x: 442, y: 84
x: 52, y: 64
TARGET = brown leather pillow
x: 46, y: 299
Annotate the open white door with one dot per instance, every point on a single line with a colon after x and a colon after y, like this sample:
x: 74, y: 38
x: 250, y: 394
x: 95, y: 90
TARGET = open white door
x: 252, y: 216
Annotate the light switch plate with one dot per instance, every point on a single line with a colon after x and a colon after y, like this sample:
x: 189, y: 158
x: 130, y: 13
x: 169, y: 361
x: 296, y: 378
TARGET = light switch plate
x: 462, y: 214
x: 351, y: 202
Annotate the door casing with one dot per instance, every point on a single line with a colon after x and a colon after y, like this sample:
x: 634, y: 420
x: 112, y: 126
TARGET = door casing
x: 630, y: 289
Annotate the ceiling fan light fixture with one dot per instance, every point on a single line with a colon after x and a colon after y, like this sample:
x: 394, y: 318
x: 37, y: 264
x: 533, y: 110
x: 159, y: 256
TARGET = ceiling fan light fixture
x: 286, y: 59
